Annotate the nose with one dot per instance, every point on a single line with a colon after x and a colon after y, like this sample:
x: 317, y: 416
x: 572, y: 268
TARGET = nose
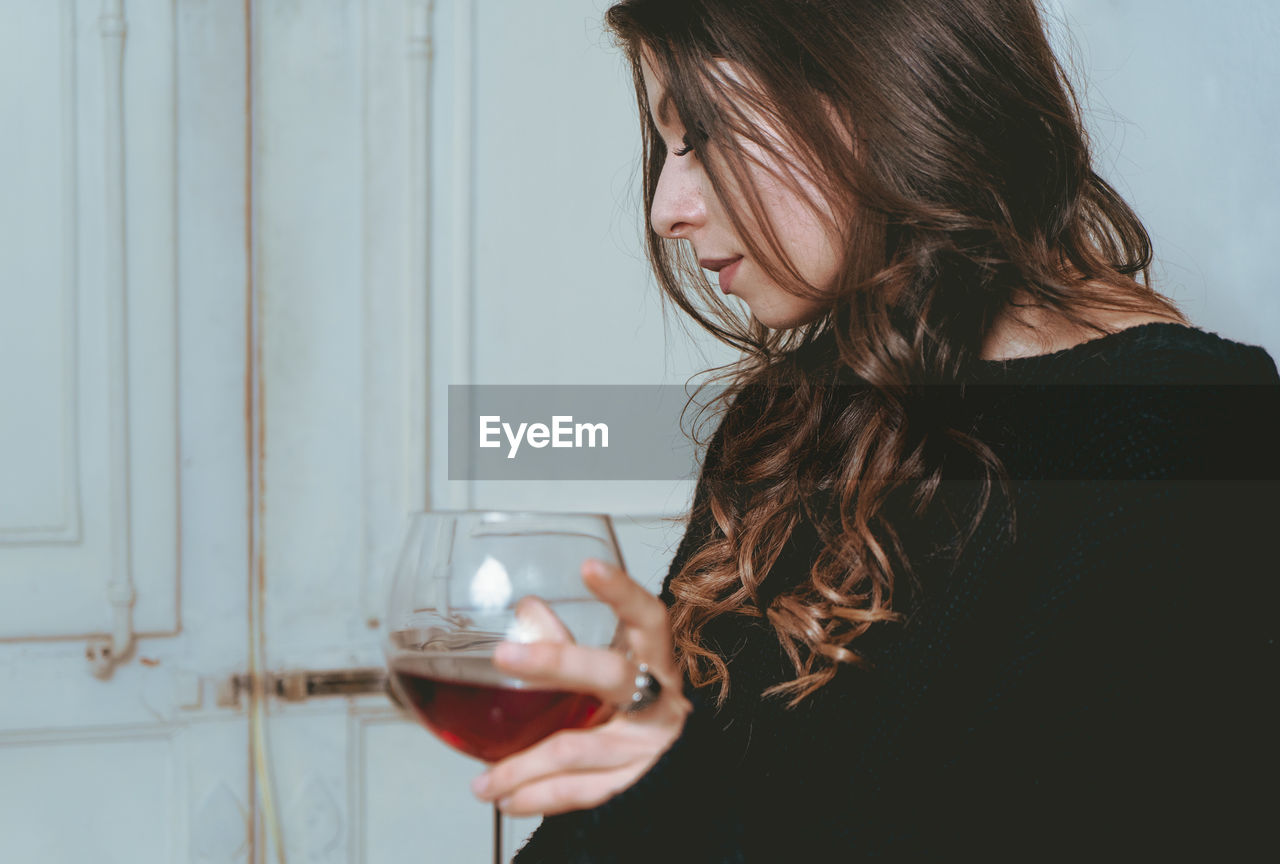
x: 679, y: 206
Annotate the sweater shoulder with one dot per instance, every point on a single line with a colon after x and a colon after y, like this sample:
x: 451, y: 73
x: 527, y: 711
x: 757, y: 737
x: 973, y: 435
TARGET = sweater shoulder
x: 1158, y: 402
x: 1155, y: 353
x: 1175, y: 354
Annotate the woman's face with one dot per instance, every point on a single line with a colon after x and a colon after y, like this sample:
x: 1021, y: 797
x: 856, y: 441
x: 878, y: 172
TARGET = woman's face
x: 686, y: 208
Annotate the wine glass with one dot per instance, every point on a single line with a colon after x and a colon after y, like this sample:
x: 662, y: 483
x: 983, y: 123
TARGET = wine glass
x: 468, y: 580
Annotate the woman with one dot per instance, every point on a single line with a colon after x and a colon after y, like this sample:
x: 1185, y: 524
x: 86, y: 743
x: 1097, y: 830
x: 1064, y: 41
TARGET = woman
x: 936, y: 595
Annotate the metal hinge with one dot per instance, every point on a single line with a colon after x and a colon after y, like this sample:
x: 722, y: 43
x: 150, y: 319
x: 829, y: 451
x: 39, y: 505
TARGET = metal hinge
x: 297, y: 685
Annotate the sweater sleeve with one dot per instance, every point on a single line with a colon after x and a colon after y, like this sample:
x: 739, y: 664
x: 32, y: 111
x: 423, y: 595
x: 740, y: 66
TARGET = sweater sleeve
x: 680, y: 810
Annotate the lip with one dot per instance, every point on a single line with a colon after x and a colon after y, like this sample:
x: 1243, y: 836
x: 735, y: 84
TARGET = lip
x: 726, y: 267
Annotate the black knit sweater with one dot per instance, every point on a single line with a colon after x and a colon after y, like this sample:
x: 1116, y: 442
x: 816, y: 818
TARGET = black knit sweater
x: 1098, y: 684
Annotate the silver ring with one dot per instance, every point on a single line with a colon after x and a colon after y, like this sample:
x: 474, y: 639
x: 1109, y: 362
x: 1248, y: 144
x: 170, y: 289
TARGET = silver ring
x: 647, y: 692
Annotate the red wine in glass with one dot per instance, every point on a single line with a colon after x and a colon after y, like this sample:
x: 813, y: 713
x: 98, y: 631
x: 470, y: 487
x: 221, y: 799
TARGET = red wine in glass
x: 467, y: 581
x: 489, y: 721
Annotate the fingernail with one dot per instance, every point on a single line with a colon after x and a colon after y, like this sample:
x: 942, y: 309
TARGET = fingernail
x: 596, y: 568
x: 510, y: 652
x: 480, y: 785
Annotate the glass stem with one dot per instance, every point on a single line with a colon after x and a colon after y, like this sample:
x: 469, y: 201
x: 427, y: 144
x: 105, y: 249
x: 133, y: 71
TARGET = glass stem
x: 497, y: 835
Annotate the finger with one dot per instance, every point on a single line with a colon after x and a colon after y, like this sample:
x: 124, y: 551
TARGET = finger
x: 565, y: 792
x: 535, y: 622
x: 643, y: 615
x: 564, y: 752
x: 565, y: 666
x: 635, y: 606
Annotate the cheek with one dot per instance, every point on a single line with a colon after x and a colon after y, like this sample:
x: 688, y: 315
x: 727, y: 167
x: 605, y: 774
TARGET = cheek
x: 800, y: 215
x: 806, y: 235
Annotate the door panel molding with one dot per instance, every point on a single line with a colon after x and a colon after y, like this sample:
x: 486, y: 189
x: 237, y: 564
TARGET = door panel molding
x: 42, y: 499
x: 117, y: 389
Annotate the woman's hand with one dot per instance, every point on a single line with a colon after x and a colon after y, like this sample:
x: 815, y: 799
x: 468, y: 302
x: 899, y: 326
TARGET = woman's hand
x: 581, y: 768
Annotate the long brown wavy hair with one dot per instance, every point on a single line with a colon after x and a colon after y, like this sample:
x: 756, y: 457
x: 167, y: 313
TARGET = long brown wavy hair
x: 947, y: 140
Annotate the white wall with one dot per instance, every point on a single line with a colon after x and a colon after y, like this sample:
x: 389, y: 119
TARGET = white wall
x: 1183, y: 104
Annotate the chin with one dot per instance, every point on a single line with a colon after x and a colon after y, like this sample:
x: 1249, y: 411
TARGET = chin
x: 786, y: 319
x: 776, y: 324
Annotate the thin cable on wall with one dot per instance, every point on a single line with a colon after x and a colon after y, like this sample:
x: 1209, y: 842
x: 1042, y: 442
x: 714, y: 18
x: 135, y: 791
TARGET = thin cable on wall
x: 258, y: 741
x: 259, y: 749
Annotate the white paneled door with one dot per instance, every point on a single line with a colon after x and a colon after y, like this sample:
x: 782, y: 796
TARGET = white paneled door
x: 246, y: 246
x: 342, y: 108
x: 442, y: 195
x: 123, y: 463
